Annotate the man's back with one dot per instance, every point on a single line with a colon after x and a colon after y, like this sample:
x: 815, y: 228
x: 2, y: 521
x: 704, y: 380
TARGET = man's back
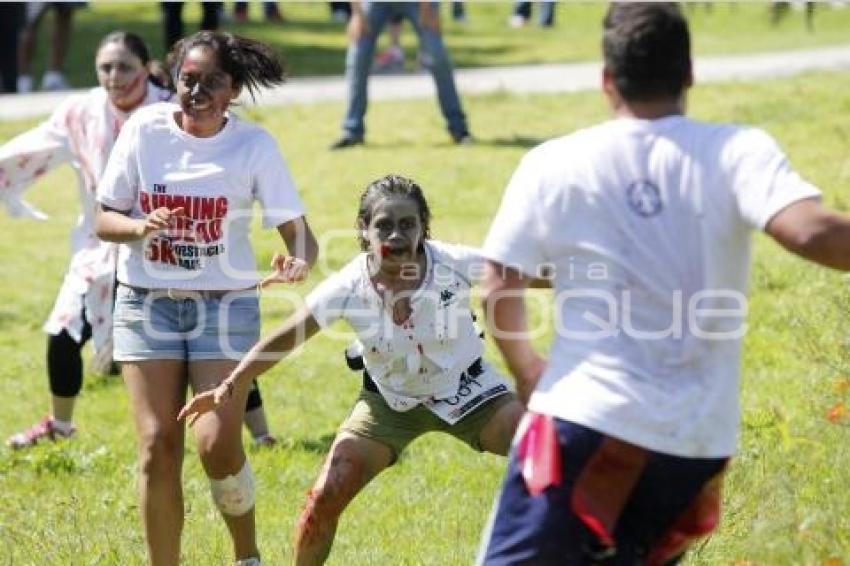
x: 646, y: 223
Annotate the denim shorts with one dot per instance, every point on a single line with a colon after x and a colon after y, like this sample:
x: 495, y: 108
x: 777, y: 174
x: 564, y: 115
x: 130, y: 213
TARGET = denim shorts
x: 150, y: 325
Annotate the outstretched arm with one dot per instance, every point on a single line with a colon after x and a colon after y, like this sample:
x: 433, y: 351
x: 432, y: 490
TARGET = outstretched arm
x: 25, y: 158
x: 813, y: 231
x: 297, y: 329
x: 503, y: 299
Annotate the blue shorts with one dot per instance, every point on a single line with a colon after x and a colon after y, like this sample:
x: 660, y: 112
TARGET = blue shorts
x: 614, y: 503
x: 149, y: 325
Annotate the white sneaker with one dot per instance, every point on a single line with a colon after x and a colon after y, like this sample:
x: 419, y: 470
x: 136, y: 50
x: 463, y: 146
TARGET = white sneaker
x: 265, y: 440
x: 53, y: 81
x: 249, y: 562
x: 517, y: 21
x: 25, y: 83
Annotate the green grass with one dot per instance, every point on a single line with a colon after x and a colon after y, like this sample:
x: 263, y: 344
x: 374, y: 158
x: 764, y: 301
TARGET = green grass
x: 313, y: 45
x: 786, y: 499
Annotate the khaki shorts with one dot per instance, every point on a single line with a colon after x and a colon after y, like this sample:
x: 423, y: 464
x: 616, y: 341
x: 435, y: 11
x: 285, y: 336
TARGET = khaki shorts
x: 372, y: 418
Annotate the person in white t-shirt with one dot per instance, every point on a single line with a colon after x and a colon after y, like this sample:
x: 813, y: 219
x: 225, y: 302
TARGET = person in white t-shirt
x: 407, y: 299
x: 178, y: 193
x: 81, y: 132
x: 645, y: 221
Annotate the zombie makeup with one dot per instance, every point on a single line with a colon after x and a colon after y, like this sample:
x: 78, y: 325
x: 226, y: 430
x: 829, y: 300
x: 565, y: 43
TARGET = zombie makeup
x: 394, y: 232
x: 123, y: 75
x: 204, y: 91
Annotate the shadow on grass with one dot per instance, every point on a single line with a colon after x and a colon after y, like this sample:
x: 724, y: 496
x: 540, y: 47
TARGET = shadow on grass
x: 8, y: 319
x: 97, y: 382
x: 319, y: 445
x: 514, y: 141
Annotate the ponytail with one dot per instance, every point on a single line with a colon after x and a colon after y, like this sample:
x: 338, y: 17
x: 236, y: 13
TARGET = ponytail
x: 250, y: 63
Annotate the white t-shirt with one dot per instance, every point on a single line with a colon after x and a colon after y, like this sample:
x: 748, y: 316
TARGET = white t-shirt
x: 216, y: 180
x: 423, y: 358
x: 647, y: 224
x: 80, y: 132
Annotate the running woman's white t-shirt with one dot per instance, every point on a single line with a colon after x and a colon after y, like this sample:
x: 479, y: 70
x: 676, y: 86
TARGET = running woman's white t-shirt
x: 647, y: 224
x: 215, y: 180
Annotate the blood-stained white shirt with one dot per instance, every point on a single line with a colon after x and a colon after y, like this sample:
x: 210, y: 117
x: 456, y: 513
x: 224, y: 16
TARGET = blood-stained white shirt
x: 423, y: 358
x: 80, y: 132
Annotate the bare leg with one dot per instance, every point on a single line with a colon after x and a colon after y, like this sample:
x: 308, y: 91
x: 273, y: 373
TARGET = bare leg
x: 64, y: 19
x: 351, y: 464
x: 26, y: 45
x: 497, y: 434
x: 219, y: 438
x: 63, y: 408
x: 395, y: 34
x: 157, y: 390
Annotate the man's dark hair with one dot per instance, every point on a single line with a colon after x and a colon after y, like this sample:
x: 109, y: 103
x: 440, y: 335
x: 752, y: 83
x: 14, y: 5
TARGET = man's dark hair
x: 647, y: 50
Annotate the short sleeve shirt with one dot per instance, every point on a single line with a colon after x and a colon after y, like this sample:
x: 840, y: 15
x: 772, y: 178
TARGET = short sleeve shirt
x: 647, y: 224
x: 214, y: 180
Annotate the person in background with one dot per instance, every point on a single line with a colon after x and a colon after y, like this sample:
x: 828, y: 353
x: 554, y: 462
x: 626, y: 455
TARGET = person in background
x: 271, y: 11
x: 172, y: 19
x: 367, y: 21
x: 340, y: 11
x: 57, y: 47
x: 522, y: 14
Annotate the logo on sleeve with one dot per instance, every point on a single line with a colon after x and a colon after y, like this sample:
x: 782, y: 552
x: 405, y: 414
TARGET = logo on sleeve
x: 644, y: 198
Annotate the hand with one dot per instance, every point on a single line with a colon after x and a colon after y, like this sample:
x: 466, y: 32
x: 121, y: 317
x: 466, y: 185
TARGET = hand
x: 160, y: 219
x: 205, y: 402
x: 287, y: 269
x: 429, y: 17
x: 358, y: 25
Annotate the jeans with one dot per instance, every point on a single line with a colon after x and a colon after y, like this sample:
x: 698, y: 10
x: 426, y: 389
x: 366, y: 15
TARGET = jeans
x: 358, y: 61
x: 149, y: 325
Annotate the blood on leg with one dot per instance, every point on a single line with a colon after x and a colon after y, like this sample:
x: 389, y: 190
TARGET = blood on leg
x: 350, y: 466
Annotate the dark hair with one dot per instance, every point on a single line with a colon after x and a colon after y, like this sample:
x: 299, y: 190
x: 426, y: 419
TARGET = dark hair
x: 647, y: 50
x: 249, y: 63
x: 391, y: 185
x: 137, y: 46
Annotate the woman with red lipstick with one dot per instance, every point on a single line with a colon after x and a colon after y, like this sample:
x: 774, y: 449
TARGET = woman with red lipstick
x: 81, y: 132
x: 178, y: 194
x: 407, y: 299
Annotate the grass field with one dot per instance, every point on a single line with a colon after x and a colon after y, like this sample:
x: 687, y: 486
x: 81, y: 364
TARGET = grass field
x: 313, y: 45
x: 786, y: 501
